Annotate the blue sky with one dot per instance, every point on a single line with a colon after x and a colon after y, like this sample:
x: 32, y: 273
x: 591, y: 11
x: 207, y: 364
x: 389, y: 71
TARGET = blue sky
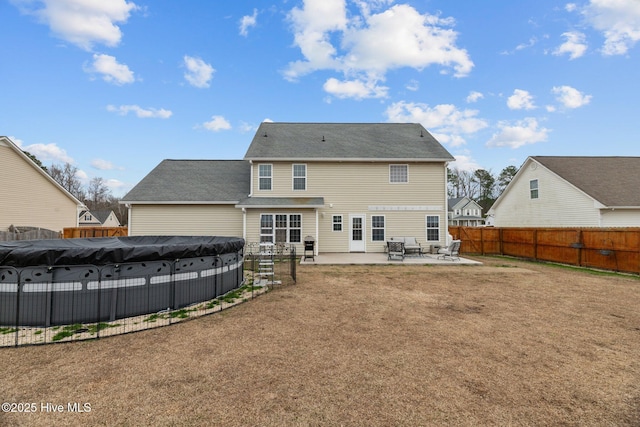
x: 115, y: 87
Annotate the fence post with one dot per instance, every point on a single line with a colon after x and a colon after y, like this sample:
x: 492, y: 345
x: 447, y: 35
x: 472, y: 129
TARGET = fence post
x: 18, y: 307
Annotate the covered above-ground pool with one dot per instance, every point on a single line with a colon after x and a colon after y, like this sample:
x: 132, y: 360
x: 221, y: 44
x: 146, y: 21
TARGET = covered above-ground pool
x: 58, y: 282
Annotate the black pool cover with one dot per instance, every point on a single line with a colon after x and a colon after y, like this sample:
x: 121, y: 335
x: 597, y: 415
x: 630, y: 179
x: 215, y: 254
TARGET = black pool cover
x: 114, y: 250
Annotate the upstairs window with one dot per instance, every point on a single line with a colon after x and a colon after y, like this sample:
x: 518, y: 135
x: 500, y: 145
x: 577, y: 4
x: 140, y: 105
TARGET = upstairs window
x: 533, y: 188
x: 299, y: 177
x: 265, y: 176
x: 398, y: 173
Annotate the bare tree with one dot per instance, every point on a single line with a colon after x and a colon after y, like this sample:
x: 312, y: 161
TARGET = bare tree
x: 66, y: 176
x: 98, y: 194
x: 460, y: 183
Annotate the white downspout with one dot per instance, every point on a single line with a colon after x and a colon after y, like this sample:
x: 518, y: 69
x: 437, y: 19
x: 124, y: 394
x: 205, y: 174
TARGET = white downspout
x: 129, y: 209
x: 244, y: 224
x: 317, y: 234
x: 446, y: 207
x: 250, y: 178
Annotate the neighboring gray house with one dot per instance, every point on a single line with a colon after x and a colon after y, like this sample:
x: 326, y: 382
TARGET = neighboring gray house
x: 465, y: 212
x: 350, y: 186
x: 571, y: 192
x: 101, y: 218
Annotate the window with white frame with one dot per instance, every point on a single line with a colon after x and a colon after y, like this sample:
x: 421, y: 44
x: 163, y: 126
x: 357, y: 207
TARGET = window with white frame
x: 265, y: 176
x: 281, y: 228
x: 337, y: 223
x: 533, y: 188
x: 433, y: 228
x: 377, y: 228
x: 398, y: 173
x: 299, y: 177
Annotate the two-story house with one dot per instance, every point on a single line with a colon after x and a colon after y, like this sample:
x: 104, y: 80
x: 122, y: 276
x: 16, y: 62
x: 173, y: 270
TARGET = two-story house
x: 348, y: 186
x: 465, y: 212
x: 30, y: 197
x: 571, y: 191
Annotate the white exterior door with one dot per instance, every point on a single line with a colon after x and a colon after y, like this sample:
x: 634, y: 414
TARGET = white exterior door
x: 357, y: 233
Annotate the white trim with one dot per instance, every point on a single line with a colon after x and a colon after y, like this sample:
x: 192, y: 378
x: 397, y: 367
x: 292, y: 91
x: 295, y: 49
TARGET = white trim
x: 407, y: 173
x: 384, y: 228
x: 426, y: 229
x: 293, y: 177
x: 270, y: 176
x: 404, y: 208
x: 341, y: 223
x: 353, y: 247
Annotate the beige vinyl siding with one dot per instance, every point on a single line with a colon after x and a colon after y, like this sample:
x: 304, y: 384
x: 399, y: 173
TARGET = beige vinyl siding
x: 29, y: 198
x: 559, y: 204
x: 202, y: 220
x: 361, y: 188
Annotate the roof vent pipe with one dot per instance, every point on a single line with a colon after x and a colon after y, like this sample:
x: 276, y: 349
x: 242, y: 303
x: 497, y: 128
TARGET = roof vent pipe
x: 322, y: 138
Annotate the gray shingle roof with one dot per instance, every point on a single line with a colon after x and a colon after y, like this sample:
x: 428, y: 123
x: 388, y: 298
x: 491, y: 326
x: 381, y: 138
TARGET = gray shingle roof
x: 613, y: 181
x: 346, y: 141
x: 194, y: 181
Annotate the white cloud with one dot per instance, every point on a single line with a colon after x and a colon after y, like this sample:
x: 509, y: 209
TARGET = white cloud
x: 46, y: 152
x: 199, y: 73
x: 570, y: 97
x: 474, y: 96
x: 103, y: 165
x: 217, y: 123
x: 330, y: 37
x: 619, y: 22
x: 111, y: 70
x: 522, y: 132
x: 413, y: 85
x: 445, y: 122
x: 356, y: 89
x: 114, y: 183
x: 570, y: 7
x: 148, y: 113
x: 247, y: 22
x: 81, y: 22
x: 247, y: 127
x: 464, y: 162
x: 520, y: 100
x: 575, y: 45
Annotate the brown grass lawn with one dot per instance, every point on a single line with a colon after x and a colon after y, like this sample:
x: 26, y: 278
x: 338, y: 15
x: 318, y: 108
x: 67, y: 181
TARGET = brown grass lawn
x: 507, y: 343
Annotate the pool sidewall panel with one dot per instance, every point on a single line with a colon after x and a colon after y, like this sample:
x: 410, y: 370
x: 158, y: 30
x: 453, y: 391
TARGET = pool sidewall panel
x: 87, y: 294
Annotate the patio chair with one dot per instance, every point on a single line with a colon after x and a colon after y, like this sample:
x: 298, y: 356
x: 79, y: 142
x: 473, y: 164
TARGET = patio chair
x: 412, y: 247
x: 451, y: 251
x: 395, y: 250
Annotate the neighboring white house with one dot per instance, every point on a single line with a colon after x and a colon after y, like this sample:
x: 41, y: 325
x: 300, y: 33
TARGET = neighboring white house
x: 571, y: 192
x: 101, y: 218
x: 348, y: 186
x: 30, y: 197
x: 465, y: 212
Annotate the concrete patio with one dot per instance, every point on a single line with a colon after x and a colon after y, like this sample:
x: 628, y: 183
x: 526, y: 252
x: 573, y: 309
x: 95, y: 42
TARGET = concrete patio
x: 381, y: 258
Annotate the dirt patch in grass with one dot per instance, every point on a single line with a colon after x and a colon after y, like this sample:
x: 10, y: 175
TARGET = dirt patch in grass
x: 506, y: 343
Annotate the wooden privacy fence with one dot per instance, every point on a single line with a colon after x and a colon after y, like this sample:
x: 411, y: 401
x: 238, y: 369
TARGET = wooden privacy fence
x: 615, y: 249
x: 83, y: 232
